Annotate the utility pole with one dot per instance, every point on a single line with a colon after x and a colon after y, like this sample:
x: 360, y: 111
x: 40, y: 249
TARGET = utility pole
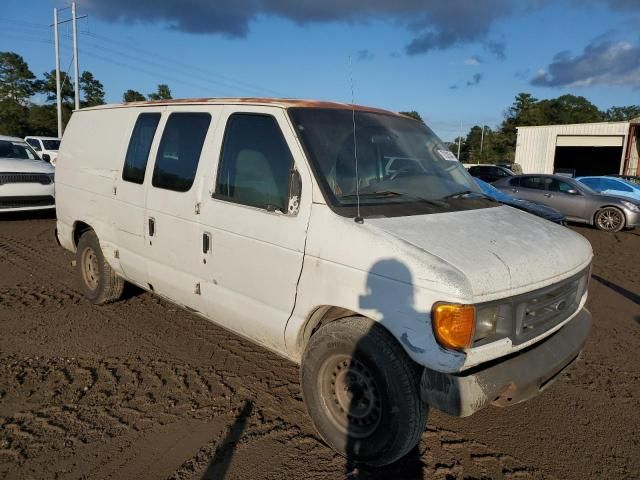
x: 482, y: 138
x: 76, y: 83
x: 56, y: 23
x: 57, y: 49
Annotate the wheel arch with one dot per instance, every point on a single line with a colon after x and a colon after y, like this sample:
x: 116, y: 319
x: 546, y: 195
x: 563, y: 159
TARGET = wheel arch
x: 321, y: 316
x: 79, y: 229
x: 607, y: 205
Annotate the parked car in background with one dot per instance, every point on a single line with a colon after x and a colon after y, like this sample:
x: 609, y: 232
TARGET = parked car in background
x: 575, y: 199
x: 397, y: 287
x: 514, y: 167
x: 534, y: 208
x: 628, y: 178
x: 490, y: 173
x: 612, y: 186
x: 26, y: 181
x: 47, y: 147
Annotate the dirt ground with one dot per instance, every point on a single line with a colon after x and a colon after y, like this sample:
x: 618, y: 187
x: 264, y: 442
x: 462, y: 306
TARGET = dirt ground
x: 143, y: 390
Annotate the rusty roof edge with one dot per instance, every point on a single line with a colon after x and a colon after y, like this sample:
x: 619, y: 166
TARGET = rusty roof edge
x: 278, y: 102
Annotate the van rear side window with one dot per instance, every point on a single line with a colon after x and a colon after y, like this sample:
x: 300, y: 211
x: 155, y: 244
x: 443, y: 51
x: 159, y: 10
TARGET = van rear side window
x: 179, y: 152
x: 255, y: 163
x: 135, y: 163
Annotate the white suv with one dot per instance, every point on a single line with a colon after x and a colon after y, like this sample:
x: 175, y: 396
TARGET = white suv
x: 347, y: 239
x: 26, y: 181
x: 47, y: 147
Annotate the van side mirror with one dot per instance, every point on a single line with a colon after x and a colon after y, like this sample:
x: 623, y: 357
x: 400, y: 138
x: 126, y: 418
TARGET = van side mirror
x: 46, y: 157
x: 295, y: 190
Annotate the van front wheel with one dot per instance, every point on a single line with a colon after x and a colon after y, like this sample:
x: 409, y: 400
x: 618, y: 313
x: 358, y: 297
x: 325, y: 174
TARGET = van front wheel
x: 362, y: 391
x: 98, y: 282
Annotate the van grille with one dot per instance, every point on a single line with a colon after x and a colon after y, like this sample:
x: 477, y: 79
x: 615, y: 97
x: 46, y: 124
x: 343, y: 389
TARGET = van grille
x: 20, y: 202
x: 538, y: 311
x: 41, y: 178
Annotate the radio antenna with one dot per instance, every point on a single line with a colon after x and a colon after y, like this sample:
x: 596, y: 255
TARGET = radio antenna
x: 358, y: 218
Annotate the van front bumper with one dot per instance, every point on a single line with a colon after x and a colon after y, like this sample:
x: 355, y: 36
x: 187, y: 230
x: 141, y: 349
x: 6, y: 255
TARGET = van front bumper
x: 509, y: 380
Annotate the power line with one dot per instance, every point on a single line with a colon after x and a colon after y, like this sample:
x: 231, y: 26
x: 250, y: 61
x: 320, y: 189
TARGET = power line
x: 232, y: 85
x: 173, y: 62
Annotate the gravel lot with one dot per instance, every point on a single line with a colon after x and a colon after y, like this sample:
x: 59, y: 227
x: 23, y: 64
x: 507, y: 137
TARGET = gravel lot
x: 141, y: 389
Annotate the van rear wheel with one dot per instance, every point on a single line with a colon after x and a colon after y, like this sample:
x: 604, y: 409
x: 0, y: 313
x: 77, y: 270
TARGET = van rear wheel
x: 362, y: 391
x: 98, y: 282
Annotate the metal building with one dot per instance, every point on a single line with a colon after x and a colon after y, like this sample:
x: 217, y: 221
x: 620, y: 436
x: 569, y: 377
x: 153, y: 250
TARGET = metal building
x: 580, y: 149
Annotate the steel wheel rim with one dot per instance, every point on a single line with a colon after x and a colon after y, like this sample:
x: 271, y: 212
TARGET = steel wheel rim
x: 609, y: 220
x: 90, y: 268
x: 351, y: 396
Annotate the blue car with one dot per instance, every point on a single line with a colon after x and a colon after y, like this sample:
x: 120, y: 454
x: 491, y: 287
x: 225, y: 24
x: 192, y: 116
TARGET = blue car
x: 612, y: 186
x: 543, y: 211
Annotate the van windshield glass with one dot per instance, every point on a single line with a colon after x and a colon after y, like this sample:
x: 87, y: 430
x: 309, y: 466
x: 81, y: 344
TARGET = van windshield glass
x: 17, y: 150
x: 400, y: 161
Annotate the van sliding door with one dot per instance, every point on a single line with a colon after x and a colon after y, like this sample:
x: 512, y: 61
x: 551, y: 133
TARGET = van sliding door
x: 173, y: 199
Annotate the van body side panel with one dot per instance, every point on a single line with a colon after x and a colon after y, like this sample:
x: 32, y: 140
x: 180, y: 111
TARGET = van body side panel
x: 252, y: 270
x: 86, y: 175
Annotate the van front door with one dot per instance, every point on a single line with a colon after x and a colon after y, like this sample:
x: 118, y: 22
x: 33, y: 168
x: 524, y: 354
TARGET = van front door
x: 254, y: 227
x: 173, y: 198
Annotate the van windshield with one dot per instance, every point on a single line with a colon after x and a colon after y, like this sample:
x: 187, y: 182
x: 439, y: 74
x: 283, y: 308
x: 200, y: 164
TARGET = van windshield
x: 402, y: 167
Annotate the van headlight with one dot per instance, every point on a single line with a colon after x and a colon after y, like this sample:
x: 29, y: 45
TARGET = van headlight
x: 631, y: 206
x: 458, y: 326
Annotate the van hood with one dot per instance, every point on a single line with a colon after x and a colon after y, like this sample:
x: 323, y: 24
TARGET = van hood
x: 501, y: 250
x: 25, y: 166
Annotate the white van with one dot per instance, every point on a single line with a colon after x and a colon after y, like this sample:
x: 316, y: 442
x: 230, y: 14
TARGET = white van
x: 344, y: 238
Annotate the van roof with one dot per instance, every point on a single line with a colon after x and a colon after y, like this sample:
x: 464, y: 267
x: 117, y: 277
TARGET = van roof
x: 278, y: 102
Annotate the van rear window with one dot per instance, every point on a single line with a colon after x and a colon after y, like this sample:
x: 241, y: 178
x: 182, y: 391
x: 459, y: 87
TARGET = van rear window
x: 179, y: 152
x: 135, y: 163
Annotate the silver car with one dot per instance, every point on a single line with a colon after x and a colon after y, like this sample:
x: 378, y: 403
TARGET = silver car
x: 576, y: 200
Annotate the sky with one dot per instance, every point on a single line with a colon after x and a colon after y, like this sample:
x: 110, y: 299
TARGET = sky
x: 455, y: 61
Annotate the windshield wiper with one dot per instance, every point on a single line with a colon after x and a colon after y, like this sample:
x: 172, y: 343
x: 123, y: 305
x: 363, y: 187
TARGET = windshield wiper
x: 391, y: 193
x: 464, y: 193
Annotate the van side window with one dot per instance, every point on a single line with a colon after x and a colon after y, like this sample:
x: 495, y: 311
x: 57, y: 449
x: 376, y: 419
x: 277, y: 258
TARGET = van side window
x: 255, y: 163
x: 179, y: 151
x: 135, y: 162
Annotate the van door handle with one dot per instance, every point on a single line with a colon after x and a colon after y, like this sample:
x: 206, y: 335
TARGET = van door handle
x: 152, y: 226
x: 206, y: 242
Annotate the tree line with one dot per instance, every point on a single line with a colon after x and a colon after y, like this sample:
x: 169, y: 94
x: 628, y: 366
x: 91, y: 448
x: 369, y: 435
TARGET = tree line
x: 499, y: 145
x: 21, y: 116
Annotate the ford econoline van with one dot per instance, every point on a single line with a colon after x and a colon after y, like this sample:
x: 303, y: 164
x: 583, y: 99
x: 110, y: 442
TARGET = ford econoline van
x: 346, y: 239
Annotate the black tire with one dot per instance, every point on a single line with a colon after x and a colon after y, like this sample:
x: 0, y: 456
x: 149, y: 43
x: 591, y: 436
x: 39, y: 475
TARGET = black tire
x: 609, y: 219
x: 98, y: 282
x: 357, y: 361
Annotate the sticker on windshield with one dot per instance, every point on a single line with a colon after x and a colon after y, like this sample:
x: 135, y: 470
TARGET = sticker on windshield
x: 447, y: 155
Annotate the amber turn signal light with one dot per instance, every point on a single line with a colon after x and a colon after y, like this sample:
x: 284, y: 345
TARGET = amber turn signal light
x: 453, y: 325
